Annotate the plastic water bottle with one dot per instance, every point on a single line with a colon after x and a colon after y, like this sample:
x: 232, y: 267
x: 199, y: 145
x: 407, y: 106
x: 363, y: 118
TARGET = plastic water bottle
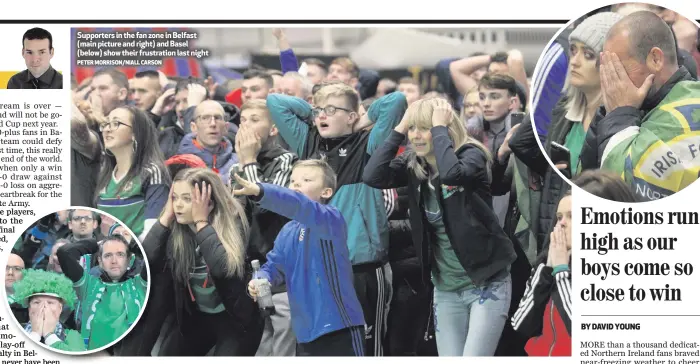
x: 237, y: 169
x: 264, y: 288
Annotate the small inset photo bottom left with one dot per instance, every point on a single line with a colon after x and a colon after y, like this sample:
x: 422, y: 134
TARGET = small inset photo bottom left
x: 77, y: 281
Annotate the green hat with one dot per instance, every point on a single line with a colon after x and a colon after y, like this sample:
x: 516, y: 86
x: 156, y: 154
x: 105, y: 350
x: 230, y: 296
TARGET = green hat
x: 42, y: 283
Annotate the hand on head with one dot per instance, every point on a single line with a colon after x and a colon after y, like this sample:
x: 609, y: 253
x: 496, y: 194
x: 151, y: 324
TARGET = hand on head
x: 442, y: 112
x: 201, y: 202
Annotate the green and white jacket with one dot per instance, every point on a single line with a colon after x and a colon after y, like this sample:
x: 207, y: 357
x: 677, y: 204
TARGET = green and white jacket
x: 654, y: 149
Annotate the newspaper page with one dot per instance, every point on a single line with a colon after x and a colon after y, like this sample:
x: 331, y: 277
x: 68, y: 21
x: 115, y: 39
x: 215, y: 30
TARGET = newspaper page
x: 221, y: 188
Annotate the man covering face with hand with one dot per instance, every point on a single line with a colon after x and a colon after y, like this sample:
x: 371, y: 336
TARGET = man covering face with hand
x: 45, y: 294
x: 649, y: 134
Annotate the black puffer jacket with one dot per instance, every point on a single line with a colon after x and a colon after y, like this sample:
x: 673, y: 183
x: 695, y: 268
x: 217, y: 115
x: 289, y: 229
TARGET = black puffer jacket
x: 480, y: 244
x: 232, y: 290
x: 524, y: 146
x: 402, y: 253
x: 170, y: 134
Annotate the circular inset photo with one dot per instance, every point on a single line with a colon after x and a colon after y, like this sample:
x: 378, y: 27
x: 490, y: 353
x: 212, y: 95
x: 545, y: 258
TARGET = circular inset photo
x: 616, y: 90
x: 77, y: 281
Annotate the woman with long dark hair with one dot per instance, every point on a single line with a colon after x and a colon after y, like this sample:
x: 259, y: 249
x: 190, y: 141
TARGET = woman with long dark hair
x: 455, y: 231
x: 133, y: 182
x: 200, y: 239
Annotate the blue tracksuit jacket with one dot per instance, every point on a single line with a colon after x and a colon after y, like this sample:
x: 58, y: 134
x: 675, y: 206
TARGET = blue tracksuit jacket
x: 311, y: 256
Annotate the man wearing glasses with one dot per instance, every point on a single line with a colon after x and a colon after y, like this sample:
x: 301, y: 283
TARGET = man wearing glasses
x: 111, y: 302
x: 14, y: 271
x: 82, y: 224
x: 37, y: 246
x: 207, y: 139
x: 338, y: 133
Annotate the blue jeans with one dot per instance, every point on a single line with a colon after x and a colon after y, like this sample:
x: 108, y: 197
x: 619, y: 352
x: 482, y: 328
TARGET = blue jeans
x: 470, y: 322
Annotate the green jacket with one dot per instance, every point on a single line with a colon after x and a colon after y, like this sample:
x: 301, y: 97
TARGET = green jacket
x: 72, y: 340
x: 109, y: 309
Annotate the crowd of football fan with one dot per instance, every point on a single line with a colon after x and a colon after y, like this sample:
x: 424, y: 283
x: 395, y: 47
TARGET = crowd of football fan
x: 389, y: 220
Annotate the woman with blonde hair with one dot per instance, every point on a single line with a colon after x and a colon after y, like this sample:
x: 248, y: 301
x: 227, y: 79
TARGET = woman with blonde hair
x: 454, y: 229
x: 200, y: 238
x: 583, y: 98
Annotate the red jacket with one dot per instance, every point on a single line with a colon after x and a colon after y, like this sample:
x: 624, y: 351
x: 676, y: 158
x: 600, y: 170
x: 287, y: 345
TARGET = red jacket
x: 555, y: 339
x: 544, y: 313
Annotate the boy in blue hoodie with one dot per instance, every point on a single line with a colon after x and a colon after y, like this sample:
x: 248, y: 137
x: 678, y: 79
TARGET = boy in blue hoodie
x: 311, y: 256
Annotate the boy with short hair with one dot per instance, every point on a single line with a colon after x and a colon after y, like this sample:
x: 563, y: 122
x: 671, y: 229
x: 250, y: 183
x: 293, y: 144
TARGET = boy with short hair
x: 338, y: 134
x: 311, y: 256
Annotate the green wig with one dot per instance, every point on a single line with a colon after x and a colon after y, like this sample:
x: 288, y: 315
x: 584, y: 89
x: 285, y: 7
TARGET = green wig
x: 40, y: 282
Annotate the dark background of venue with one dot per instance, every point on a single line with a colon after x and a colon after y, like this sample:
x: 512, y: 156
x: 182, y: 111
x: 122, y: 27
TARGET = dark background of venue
x: 426, y: 76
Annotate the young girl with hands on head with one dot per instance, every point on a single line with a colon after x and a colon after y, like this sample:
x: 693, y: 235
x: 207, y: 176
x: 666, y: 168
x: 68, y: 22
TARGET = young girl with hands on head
x: 457, y: 234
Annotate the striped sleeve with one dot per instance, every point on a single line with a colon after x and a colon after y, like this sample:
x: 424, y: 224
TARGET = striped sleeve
x: 279, y: 175
x: 156, y: 192
x: 251, y: 172
x: 282, y: 169
x: 528, y: 319
x: 547, y: 63
x: 389, y: 201
x: 548, y: 83
x: 563, y: 282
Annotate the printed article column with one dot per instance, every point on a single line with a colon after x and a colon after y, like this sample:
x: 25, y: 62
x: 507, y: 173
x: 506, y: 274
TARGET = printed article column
x: 614, y: 280
x: 34, y: 159
x: 634, y: 288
